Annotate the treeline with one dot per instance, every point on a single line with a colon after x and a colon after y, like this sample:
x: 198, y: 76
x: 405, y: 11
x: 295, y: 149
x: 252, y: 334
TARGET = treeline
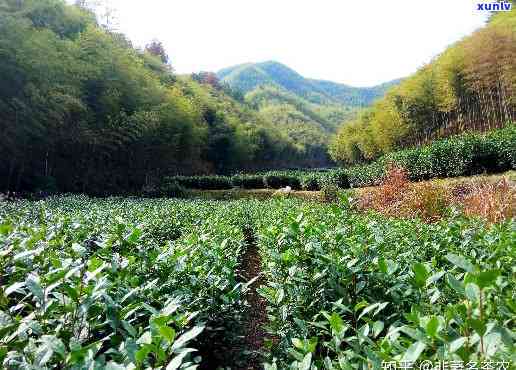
x: 82, y: 110
x: 471, y: 86
x: 459, y: 155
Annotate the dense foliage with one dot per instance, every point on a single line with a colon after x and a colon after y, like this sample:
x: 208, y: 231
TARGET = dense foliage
x: 308, y: 125
x: 82, y: 110
x: 470, y: 86
x: 297, y: 180
x: 128, y: 283
x: 248, y: 77
x: 306, y: 110
x: 461, y: 155
x: 351, y: 291
x: 201, y: 182
x: 89, y: 284
x: 142, y: 283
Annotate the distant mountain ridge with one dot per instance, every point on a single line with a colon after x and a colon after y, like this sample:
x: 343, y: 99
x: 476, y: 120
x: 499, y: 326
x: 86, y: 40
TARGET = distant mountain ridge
x: 247, y: 77
x: 307, y: 111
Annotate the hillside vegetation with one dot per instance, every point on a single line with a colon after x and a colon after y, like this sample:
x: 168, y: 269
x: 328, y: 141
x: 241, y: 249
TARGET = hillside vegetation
x: 307, y: 110
x: 470, y: 86
x: 248, y: 77
x: 461, y: 155
x: 408, y: 274
x: 82, y: 110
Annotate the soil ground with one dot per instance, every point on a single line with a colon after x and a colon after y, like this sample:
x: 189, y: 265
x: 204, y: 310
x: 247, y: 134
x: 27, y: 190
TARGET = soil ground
x: 256, y: 318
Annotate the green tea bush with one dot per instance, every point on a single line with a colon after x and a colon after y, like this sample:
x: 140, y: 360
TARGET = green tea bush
x: 115, y: 283
x: 279, y: 180
x: 201, y: 182
x: 354, y: 291
x: 462, y: 155
x: 172, y: 189
x: 154, y: 283
x: 169, y: 188
x: 502, y: 144
x: 215, y: 183
x: 367, y: 175
x: 188, y: 182
x: 329, y: 193
x: 150, y: 191
x: 311, y: 182
x: 248, y: 181
x: 417, y: 162
x: 338, y: 178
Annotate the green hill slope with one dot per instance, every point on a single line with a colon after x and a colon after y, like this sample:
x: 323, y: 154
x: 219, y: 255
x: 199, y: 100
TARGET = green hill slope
x: 308, y: 111
x: 470, y: 86
x: 81, y: 110
x: 354, y: 96
x: 247, y: 77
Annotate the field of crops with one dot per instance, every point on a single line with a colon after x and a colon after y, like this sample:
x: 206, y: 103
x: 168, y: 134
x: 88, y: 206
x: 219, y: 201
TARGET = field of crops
x: 124, y: 283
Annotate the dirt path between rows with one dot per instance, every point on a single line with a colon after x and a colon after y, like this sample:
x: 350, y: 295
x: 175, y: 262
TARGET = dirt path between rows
x: 240, y: 347
x: 254, y: 332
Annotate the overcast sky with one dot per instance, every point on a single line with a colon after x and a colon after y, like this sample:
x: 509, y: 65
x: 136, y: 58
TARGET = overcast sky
x: 361, y: 43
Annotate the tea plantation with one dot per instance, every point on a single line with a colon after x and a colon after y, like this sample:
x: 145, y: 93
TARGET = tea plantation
x: 157, y: 284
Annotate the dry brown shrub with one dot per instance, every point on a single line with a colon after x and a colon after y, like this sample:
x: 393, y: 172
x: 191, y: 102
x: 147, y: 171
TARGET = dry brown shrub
x: 394, y: 184
x: 398, y: 197
x: 429, y: 201
x: 386, y: 197
x: 461, y: 191
x: 495, y: 202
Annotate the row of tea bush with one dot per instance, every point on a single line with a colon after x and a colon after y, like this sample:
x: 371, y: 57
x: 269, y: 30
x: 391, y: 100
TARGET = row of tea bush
x: 461, y: 155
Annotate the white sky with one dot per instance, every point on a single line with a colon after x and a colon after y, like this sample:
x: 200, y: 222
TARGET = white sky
x: 361, y: 42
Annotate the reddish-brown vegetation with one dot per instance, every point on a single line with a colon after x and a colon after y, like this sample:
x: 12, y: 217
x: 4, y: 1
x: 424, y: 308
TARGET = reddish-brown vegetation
x: 431, y: 201
x: 493, y: 202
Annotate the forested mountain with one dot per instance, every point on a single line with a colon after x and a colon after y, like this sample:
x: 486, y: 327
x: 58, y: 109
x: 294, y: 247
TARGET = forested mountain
x: 248, y: 77
x: 354, y: 96
x: 470, y: 86
x: 82, y: 110
x: 308, y: 111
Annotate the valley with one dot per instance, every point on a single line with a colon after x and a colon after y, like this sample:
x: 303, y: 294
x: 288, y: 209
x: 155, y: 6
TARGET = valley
x: 253, y: 218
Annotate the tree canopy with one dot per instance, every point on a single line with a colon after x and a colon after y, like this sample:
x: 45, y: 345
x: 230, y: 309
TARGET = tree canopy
x: 470, y: 86
x: 82, y: 110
